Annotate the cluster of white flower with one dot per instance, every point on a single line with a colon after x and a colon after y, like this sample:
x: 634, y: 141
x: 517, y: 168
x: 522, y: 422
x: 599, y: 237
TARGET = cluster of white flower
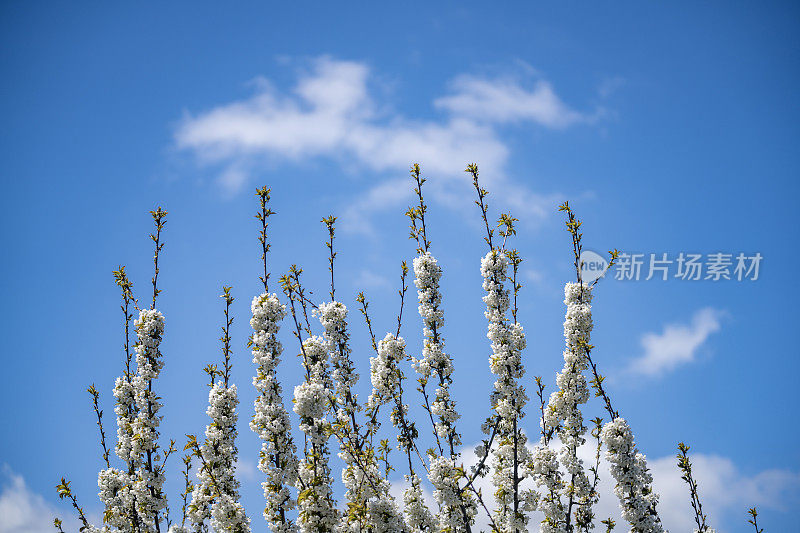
x: 271, y: 421
x: 544, y: 470
x: 387, y: 386
x: 366, y: 491
x: 125, y: 409
x: 634, y: 482
x: 508, y: 398
x: 105, y: 529
x: 418, y: 516
x: 386, y: 379
x: 383, y: 516
x: 508, y: 341
x: 216, y: 497
x: 315, y: 501
x: 427, y: 274
x: 116, y: 497
x: 563, y: 412
x: 115, y: 485
x: 309, y: 400
x: 457, y: 508
x: 333, y: 317
x: 384, y: 370
x: 149, y: 477
x: 370, y: 506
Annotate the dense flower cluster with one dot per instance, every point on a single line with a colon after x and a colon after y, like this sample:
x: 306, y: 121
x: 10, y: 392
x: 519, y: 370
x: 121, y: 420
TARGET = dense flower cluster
x: 634, y: 482
x: 370, y: 505
x: 125, y: 409
x: 333, y: 317
x: 216, y: 497
x: 271, y: 421
x: 457, y: 507
x: 116, y: 497
x: 149, y: 477
x: 545, y: 471
x: 133, y: 498
x: 418, y: 516
x: 384, y: 371
x: 563, y: 413
x: 508, y: 398
x: 434, y: 360
x: 115, y: 485
x: 315, y: 501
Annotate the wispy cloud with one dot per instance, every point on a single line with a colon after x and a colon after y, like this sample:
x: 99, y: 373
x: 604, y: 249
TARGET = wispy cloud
x: 677, y: 344
x: 726, y: 491
x: 367, y: 279
x: 506, y: 100
x: 333, y: 112
x: 24, y: 511
x: 245, y: 469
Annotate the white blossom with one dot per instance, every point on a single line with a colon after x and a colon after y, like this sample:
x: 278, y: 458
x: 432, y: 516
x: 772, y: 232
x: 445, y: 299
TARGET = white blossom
x: 315, y: 501
x: 271, y: 421
x: 384, y: 371
x: 434, y: 361
x: 216, y: 497
x: 508, y: 398
x: 634, y: 488
x: 457, y: 509
x: 309, y: 400
x: 563, y: 414
x: 148, y: 478
x: 116, y: 496
x: 418, y: 516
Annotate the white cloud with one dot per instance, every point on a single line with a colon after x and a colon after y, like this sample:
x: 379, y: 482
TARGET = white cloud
x: 245, y: 469
x: 505, y: 100
x: 677, y: 344
x: 386, y: 195
x: 726, y: 492
x: 23, y: 511
x: 533, y: 275
x: 610, y: 86
x: 332, y: 113
x: 368, y: 279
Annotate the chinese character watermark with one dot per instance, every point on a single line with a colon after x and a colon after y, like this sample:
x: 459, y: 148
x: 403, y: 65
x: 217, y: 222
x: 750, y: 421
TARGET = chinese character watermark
x: 716, y: 266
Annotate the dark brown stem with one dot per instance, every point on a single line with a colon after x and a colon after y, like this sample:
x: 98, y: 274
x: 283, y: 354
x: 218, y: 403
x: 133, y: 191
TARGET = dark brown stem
x: 402, y: 293
x: 160, y: 219
x: 226, y: 334
x: 361, y: 299
x: 262, y: 216
x: 419, y: 233
x: 427, y: 406
x: 95, y: 403
x: 64, y: 491
x: 482, y: 194
x: 329, y: 223
x: 754, y: 520
x: 478, y: 495
x: 686, y: 468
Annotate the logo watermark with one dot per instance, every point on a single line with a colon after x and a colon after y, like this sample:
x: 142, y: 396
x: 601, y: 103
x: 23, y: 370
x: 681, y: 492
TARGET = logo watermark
x: 593, y: 266
x: 718, y: 266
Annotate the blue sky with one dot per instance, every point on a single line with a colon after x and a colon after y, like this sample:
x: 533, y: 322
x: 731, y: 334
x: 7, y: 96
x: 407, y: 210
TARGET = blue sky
x: 670, y: 128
